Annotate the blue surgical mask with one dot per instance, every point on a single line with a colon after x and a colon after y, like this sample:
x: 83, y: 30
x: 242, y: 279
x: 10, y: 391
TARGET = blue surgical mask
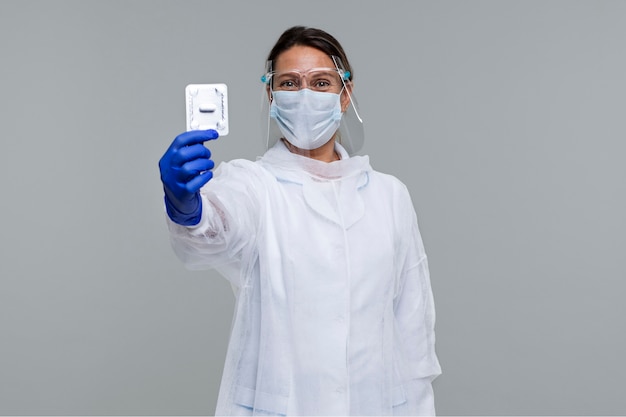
x: 307, y: 118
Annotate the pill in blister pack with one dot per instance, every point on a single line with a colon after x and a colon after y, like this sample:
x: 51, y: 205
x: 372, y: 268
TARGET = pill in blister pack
x: 207, y: 107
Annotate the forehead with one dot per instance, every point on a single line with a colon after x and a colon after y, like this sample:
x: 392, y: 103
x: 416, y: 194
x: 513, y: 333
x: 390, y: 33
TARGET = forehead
x: 302, y: 58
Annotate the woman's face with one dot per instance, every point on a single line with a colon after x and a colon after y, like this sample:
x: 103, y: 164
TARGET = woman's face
x: 303, y: 58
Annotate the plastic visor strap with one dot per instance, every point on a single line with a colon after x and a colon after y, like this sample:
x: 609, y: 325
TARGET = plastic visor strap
x: 346, y: 76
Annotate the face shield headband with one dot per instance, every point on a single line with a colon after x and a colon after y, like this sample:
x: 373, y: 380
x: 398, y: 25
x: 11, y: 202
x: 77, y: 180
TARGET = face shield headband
x: 350, y: 133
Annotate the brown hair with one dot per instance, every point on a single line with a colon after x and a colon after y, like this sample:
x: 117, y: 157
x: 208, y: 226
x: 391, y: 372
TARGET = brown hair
x: 314, y: 38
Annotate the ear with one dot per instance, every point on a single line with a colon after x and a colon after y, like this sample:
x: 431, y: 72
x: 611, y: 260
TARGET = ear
x: 269, y: 93
x: 345, y: 96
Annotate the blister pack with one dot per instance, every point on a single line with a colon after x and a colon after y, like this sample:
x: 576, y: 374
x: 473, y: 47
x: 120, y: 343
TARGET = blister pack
x: 207, y: 107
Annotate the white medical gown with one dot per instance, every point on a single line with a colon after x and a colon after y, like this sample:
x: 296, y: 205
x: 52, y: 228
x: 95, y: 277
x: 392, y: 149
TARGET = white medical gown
x: 334, y: 308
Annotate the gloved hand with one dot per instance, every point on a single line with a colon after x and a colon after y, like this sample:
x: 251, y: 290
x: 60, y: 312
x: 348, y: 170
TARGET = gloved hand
x: 185, y: 167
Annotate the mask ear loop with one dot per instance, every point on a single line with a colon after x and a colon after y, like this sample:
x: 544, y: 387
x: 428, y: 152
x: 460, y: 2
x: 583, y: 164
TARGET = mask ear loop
x: 343, y: 88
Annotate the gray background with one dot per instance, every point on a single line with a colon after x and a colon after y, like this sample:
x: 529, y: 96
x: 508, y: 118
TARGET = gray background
x: 504, y: 118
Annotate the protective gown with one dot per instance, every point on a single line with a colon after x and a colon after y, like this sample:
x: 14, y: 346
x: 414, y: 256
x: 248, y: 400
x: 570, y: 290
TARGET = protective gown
x: 334, y: 308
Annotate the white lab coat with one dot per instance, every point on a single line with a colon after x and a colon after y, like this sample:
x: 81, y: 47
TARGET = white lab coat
x: 334, y: 308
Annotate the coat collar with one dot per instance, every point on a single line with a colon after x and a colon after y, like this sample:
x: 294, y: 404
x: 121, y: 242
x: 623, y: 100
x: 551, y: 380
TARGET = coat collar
x: 332, y: 189
x: 291, y: 167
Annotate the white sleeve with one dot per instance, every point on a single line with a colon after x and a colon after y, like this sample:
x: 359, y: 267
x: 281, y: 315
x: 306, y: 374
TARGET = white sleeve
x: 226, y: 235
x: 414, y: 306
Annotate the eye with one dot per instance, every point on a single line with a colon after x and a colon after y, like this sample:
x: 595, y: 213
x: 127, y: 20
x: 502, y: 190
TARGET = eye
x: 288, y: 84
x: 321, y: 84
x: 324, y: 80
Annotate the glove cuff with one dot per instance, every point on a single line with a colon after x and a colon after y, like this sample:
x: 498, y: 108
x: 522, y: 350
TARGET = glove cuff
x: 184, y: 219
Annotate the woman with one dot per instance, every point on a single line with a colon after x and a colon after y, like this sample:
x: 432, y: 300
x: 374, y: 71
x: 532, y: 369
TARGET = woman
x: 334, y: 310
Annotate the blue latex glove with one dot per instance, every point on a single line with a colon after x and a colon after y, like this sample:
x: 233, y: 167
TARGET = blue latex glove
x: 185, y: 167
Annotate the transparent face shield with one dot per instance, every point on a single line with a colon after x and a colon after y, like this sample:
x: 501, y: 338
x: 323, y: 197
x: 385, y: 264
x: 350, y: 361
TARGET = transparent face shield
x: 290, y: 84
